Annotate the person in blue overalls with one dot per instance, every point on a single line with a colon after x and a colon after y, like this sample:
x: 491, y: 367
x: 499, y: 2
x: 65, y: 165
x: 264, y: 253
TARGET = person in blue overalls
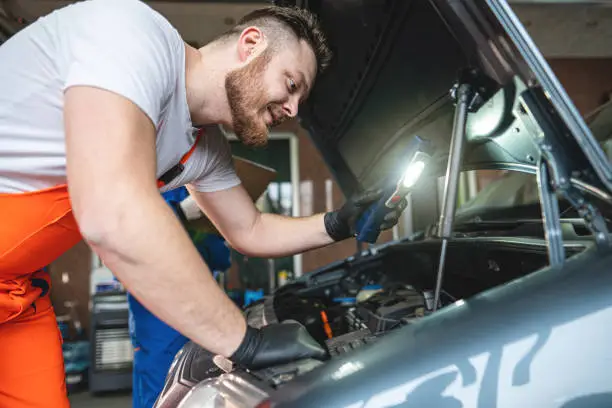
x: 155, y: 343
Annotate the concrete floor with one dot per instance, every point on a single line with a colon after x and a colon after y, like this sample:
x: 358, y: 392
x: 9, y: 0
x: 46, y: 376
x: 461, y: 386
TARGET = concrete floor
x: 84, y: 399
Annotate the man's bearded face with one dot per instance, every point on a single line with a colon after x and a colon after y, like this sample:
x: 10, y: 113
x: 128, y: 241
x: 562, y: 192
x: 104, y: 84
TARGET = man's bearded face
x: 249, y: 101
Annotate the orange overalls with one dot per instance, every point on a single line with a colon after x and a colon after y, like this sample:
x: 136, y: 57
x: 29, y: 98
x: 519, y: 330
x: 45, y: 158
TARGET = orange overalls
x: 36, y: 228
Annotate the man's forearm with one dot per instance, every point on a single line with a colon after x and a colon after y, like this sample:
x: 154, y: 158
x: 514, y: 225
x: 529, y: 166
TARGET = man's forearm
x: 275, y: 235
x: 153, y: 257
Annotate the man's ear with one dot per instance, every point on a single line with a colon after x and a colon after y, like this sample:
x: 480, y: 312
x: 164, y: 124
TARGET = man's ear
x: 250, y: 43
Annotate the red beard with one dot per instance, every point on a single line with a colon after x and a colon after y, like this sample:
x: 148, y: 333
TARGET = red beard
x: 247, y: 100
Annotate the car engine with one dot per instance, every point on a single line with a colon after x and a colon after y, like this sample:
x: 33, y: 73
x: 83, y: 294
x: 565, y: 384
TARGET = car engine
x: 345, y: 323
x: 352, y: 304
x: 339, y: 324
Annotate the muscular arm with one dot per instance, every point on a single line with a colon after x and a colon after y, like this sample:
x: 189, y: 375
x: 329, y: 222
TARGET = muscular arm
x: 110, y: 165
x: 255, y: 234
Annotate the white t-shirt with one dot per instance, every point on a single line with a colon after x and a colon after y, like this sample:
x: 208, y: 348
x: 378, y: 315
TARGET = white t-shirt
x: 122, y: 46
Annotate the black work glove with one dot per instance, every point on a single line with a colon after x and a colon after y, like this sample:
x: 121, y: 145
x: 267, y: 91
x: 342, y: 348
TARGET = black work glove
x: 276, y: 344
x: 341, y: 224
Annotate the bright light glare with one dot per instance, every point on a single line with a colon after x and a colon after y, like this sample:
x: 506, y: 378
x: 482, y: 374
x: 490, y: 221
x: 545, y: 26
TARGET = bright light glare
x: 413, y: 172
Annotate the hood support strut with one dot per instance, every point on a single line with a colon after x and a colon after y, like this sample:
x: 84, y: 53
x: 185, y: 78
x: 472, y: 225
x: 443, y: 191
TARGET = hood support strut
x: 469, y: 94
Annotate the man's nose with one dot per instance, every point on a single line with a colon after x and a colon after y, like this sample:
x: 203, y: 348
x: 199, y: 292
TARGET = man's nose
x: 290, y: 108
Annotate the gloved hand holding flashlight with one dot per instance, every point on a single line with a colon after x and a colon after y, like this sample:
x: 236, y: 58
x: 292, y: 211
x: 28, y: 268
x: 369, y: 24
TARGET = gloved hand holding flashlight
x: 367, y: 214
x: 342, y: 224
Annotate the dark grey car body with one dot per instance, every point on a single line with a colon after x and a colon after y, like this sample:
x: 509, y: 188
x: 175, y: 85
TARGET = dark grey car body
x: 533, y: 326
x: 541, y: 341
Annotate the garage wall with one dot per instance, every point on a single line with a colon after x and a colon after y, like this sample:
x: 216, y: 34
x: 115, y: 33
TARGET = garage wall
x: 587, y: 81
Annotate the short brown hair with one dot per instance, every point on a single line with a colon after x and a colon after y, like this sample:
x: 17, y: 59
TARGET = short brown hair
x: 302, y: 23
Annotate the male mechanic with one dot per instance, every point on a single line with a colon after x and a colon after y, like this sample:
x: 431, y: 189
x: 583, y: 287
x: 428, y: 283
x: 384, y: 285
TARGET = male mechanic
x: 155, y: 343
x: 98, y: 104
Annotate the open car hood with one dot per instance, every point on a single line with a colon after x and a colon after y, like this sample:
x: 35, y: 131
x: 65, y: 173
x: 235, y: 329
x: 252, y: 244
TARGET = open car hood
x: 395, y: 62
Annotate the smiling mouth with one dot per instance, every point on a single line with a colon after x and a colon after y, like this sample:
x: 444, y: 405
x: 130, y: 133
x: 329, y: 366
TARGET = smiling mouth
x: 273, y: 118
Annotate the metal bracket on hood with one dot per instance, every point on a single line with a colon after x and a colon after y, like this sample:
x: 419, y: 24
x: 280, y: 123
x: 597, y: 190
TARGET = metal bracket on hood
x: 592, y: 217
x: 554, y: 178
x: 552, y: 219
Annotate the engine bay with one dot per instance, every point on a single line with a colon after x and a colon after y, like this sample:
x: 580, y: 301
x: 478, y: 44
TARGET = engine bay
x: 357, y: 302
x: 354, y: 304
x: 375, y: 310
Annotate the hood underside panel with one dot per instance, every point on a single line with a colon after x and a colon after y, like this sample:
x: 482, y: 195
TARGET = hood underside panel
x: 394, y: 64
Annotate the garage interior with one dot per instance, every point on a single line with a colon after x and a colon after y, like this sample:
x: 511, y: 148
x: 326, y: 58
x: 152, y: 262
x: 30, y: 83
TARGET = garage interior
x: 575, y: 38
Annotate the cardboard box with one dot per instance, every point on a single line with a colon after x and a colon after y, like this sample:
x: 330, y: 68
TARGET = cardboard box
x: 255, y: 179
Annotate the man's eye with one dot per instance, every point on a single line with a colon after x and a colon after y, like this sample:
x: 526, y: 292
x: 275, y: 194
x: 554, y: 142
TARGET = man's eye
x: 292, y: 85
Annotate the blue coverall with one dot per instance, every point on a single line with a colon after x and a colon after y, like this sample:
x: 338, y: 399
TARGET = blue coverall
x: 155, y: 343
